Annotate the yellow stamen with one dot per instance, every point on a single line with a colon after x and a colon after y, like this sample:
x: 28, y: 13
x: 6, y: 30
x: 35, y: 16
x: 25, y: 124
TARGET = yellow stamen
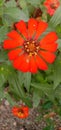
x: 27, y: 42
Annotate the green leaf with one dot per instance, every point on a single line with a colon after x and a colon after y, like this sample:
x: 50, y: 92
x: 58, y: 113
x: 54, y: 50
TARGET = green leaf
x: 2, y: 93
x: 20, y: 77
x: 3, y: 33
x: 27, y: 80
x: 34, y: 2
x: 27, y: 101
x: 3, y: 56
x: 59, y: 43
x: 16, y: 14
x: 58, y: 92
x: 56, y: 18
x: 2, y: 2
x: 56, y: 76
x: 46, y: 88
x: 50, y: 127
x: 10, y: 3
x: 47, y: 105
x: 2, y: 79
x: 10, y: 99
x: 36, y: 98
x: 24, y: 6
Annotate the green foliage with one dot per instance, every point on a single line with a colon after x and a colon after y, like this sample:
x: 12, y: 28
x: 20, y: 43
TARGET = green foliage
x: 3, y: 32
x: 27, y: 80
x: 24, y: 86
x: 50, y: 125
x: 34, y: 2
x: 56, y: 18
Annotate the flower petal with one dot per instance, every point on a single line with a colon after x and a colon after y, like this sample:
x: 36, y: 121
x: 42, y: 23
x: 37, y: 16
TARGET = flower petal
x: 14, y: 53
x: 10, y: 44
x: 41, y: 63
x: 42, y: 26
x: 21, y: 26
x: 22, y: 63
x: 32, y: 26
x: 49, y: 38
x: 15, y: 36
x: 48, y: 56
x: 52, y: 47
x: 32, y: 65
x: 25, y: 108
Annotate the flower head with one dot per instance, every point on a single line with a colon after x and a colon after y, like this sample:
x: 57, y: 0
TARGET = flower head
x: 51, y: 6
x: 27, y: 52
x: 20, y: 112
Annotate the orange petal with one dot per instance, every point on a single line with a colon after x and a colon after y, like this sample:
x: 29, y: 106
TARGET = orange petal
x: 10, y: 44
x: 32, y: 65
x: 48, y: 56
x: 41, y: 28
x: 15, y: 36
x: 14, y: 109
x: 49, y: 38
x: 21, y: 26
x: 52, y: 47
x: 22, y: 63
x: 25, y: 108
x: 32, y: 26
x: 40, y: 63
x: 14, y: 53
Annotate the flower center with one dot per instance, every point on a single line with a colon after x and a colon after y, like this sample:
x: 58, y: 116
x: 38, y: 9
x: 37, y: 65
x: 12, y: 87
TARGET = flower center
x: 31, y: 47
x: 53, y: 6
x: 20, y: 112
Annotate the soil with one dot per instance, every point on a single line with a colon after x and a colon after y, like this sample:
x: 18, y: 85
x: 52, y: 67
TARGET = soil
x: 9, y: 122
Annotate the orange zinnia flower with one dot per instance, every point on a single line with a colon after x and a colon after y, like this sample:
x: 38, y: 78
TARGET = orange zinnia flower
x: 27, y: 52
x: 21, y: 112
x: 51, y: 6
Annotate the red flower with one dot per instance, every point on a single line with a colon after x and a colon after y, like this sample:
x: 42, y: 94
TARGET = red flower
x: 27, y: 52
x: 51, y: 6
x: 20, y: 112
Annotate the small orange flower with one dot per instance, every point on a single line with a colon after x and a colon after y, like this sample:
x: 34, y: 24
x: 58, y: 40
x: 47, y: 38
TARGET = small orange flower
x: 51, y: 6
x: 20, y: 112
x: 27, y: 52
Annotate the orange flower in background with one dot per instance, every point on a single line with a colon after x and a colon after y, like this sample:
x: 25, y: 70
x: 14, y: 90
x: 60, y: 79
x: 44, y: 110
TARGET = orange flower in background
x: 51, y: 6
x: 20, y: 112
x: 27, y: 52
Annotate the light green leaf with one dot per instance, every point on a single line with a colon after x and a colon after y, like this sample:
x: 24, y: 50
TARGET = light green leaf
x: 15, y: 13
x: 56, y: 76
x: 2, y: 94
x: 3, y: 56
x: 10, y: 99
x: 46, y: 88
x: 3, y: 33
x: 2, y: 2
x: 27, y: 80
x: 24, y: 6
x: 36, y: 98
x: 59, y: 43
x: 20, y: 77
x: 56, y: 18
x: 10, y: 3
x: 34, y: 2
